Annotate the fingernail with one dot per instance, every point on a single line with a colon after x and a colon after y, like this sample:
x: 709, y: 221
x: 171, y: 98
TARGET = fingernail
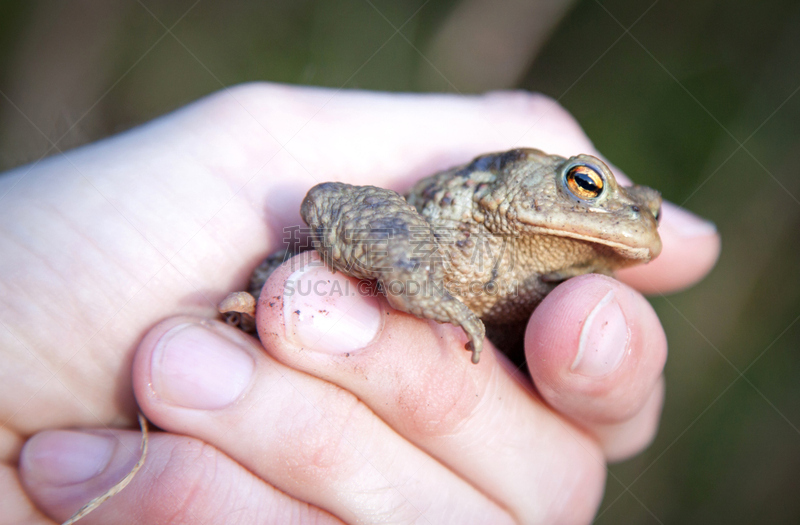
x: 685, y: 223
x: 195, y: 367
x: 65, y: 457
x: 326, y: 313
x: 604, y: 339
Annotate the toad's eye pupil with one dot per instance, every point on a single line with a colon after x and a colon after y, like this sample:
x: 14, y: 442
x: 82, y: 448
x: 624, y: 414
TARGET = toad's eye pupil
x: 584, y: 182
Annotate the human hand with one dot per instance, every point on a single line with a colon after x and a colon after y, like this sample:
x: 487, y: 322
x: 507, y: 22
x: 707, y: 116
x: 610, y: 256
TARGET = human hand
x: 118, y: 269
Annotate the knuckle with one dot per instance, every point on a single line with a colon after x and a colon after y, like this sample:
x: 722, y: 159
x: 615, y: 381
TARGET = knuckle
x: 245, y: 93
x: 530, y: 103
x: 187, y: 486
x: 244, y: 101
x: 319, y: 443
x: 439, y: 403
x: 546, y: 122
x: 576, y: 494
x: 629, y: 438
x: 621, y: 450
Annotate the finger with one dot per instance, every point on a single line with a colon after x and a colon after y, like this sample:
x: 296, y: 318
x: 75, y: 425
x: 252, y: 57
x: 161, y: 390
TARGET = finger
x: 16, y: 507
x: 596, y: 352
x: 691, y: 247
x: 183, y: 481
x: 480, y: 420
x: 304, y: 436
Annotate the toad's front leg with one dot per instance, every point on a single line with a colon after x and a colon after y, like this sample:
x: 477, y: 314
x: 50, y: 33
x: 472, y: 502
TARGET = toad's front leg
x: 373, y: 233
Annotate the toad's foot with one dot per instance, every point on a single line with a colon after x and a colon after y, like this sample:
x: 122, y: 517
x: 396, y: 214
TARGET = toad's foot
x: 239, y: 309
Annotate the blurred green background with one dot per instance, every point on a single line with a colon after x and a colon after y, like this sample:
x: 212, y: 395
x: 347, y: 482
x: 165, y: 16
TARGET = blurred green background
x: 694, y: 97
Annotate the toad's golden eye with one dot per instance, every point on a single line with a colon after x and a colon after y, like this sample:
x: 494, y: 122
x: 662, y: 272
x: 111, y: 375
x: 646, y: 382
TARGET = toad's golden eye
x: 584, y: 182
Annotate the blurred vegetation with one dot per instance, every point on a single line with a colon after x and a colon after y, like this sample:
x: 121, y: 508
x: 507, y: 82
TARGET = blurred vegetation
x: 699, y: 99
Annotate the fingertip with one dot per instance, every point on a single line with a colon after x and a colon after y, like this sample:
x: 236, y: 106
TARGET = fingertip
x: 595, y: 350
x: 187, y: 364
x: 691, y: 247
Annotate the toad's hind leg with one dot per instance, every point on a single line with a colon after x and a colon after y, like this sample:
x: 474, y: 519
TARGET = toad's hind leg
x: 373, y: 233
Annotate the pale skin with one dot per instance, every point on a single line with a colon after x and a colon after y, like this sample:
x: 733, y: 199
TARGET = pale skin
x: 101, y: 249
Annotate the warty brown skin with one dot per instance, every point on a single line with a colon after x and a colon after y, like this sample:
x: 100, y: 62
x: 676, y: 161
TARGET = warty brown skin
x: 486, y: 240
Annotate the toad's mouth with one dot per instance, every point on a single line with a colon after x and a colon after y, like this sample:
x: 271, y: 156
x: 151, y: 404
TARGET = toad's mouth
x: 641, y: 253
